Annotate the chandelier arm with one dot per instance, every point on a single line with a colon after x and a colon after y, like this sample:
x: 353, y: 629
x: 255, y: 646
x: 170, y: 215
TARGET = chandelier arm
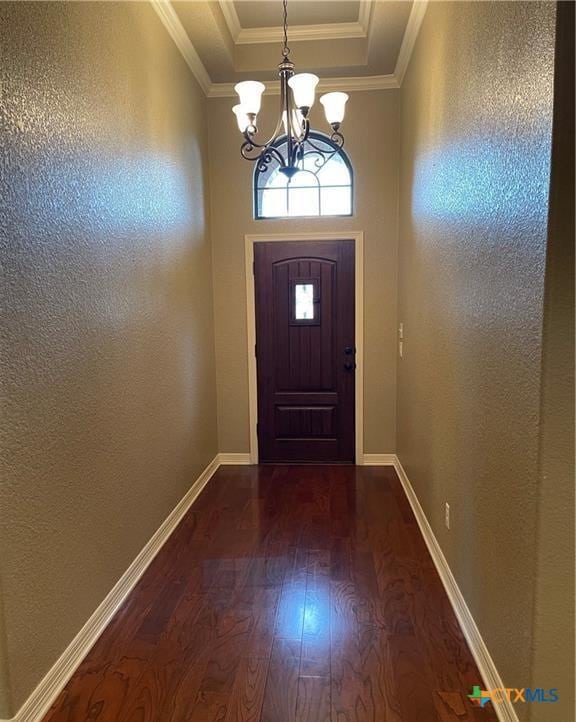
x: 249, y: 138
x: 338, y: 139
x: 303, y: 131
x: 247, y: 148
x: 263, y: 157
x: 277, y: 130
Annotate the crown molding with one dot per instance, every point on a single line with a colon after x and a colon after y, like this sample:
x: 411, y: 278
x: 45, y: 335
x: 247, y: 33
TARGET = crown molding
x: 231, y: 17
x: 368, y: 82
x: 330, y: 31
x: 327, y: 31
x: 172, y: 23
x: 365, y: 15
x: 415, y: 19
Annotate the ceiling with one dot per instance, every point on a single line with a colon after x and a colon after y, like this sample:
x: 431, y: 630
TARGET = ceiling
x: 268, y: 13
x: 350, y: 44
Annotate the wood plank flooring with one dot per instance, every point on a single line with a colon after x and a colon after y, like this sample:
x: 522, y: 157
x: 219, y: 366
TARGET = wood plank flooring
x: 287, y: 594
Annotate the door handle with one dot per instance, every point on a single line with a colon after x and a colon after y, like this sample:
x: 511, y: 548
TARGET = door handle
x: 349, y: 350
x: 349, y: 366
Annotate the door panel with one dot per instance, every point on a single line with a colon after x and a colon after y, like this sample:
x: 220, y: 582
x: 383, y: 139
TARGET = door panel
x: 304, y: 325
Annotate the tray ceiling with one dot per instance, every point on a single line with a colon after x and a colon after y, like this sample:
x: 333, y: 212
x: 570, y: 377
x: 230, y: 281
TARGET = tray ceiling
x: 350, y: 44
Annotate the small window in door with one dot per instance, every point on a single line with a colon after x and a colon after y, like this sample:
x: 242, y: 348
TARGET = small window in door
x: 304, y: 302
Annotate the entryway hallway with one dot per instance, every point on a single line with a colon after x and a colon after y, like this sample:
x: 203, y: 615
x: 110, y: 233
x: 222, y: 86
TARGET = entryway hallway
x: 239, y: 234
x: 287, y: 593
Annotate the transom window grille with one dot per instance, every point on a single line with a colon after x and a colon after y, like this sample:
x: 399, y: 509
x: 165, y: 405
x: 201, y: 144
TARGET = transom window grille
x: 323, y: 187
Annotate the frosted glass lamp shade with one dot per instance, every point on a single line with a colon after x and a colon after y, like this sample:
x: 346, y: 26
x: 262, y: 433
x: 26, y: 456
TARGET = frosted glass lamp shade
x: 250, y: 93
x: 241, y: 118
x: 334, y: 106
x: 303, y: 88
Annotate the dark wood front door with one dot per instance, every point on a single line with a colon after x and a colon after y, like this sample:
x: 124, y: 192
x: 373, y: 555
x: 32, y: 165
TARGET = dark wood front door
x: 305, y: 350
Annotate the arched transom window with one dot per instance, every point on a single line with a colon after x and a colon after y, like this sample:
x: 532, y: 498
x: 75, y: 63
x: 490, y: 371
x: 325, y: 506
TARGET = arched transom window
x: 322, y: 188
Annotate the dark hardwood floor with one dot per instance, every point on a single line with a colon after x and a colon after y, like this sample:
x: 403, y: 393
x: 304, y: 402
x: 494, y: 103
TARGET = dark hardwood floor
x: 287, y: 594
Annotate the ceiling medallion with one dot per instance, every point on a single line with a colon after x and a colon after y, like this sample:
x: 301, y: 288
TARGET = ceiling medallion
x: 296, y: 98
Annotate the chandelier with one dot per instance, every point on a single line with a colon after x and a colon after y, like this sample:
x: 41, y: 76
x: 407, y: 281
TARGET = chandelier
x: 297, y: 94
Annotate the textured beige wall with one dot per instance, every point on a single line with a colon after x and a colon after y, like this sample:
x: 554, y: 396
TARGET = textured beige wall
x: 372, y: 138
x: 553, y: 642
x: 4, y: 680
x: 476, y: 123
x: 108, y: 383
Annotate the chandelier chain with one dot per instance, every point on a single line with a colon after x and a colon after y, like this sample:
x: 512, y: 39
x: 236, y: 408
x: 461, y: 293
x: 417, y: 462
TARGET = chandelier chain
x: 285, y: 48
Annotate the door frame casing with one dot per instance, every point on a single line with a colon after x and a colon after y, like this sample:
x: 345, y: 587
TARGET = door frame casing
x: 358, y: 238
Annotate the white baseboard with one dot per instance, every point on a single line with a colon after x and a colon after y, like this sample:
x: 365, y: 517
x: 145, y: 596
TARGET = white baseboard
x: 366, y: 460
x: 233, y: 459
x: 490, y: 676
x: 378, y: 460
x: 39, y: 702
